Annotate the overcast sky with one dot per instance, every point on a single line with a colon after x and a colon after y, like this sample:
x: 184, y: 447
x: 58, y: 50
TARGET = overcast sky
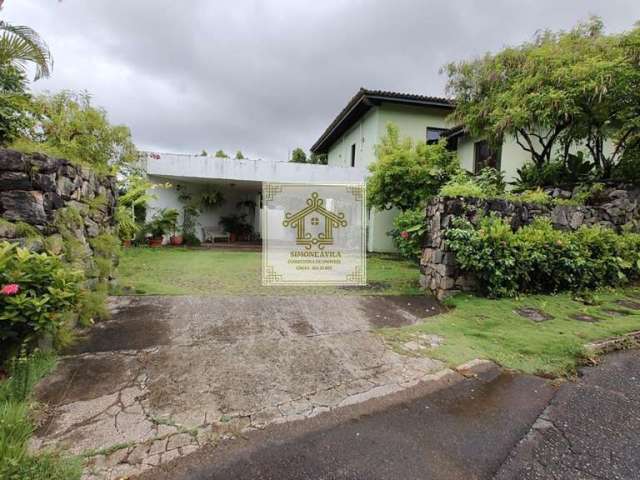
x: 267, y: 76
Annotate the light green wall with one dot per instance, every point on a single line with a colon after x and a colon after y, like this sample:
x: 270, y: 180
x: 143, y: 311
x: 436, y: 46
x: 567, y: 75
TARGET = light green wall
x: 365, y: 135
x: 411, y: 121
x: 513, y: 155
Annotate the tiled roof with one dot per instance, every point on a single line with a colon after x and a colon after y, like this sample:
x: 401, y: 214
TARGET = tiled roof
x: 362, y: 102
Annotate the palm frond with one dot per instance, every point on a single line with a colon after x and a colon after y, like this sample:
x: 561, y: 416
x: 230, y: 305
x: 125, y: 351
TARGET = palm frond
x: 20, y: 44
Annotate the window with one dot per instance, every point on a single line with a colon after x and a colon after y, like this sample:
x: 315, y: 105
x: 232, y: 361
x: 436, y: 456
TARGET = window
x: 485, y: 156
x: 353, y: 155
x: 434, y: 134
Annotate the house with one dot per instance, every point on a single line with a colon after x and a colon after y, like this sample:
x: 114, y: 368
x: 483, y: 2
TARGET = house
x: 349, y: 143
x: 350, y: 139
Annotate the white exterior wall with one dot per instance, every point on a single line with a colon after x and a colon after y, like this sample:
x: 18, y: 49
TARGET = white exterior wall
x: 167, y: 196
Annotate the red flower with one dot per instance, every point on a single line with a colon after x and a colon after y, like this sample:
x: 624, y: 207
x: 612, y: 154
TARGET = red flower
x: 10, y: 289
x: 404, y: 234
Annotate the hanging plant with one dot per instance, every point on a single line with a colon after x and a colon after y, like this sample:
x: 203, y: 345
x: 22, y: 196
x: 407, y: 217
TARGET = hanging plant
x: 211, y: 198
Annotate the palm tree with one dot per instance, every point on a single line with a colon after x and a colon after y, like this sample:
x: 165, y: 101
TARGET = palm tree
x: 20, y: 45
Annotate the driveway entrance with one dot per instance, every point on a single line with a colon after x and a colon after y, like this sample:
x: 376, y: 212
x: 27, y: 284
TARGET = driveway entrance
x: 169, y: 374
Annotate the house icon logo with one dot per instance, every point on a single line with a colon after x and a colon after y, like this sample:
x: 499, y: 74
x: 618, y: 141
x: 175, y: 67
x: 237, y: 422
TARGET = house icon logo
x: 310, y: 219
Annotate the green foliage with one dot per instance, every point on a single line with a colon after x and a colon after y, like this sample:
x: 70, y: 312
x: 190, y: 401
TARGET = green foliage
x: 578, y: 87
x: 69, y: 126
x: 537, y: 196
x: 211, y: 198
x: 538, y: 258
x: 239, y: 155
x: 106, y: 249
x: 408, y: 233
x: 489, y: 183
x: 298, y: 156
x: 16, y: 426
x: 134, y: 194
x: 405, y: 174
x: 628, y: 170
x: 221, y: 154
x: 92, y: 304
x: 556, y: 173
x: 47, y: 289
x: 69, y: 221
x: 318, y: 158
x: 15, y: 104
x: 20, y: 45
x: 236, y: 224
x: 163, y: 221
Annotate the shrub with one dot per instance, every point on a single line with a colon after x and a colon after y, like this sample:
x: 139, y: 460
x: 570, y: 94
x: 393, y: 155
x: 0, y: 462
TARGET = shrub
x: 405, y: 174
x: 538, y: 258
x: 408, y: 233
x: 488, y: 183
x: 38, y: 290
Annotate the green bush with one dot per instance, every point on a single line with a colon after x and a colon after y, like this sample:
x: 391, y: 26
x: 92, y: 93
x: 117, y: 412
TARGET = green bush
x: 38, y: 291
x: 489, y: 183
x: 406, y: 173
x: 540, y: 259
x: 408, y: 233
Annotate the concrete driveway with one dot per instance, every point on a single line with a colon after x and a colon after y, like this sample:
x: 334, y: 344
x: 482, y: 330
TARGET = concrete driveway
x: 167, y: 375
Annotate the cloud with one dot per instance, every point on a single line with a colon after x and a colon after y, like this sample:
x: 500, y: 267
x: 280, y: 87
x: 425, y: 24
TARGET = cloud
x: 267, y: 76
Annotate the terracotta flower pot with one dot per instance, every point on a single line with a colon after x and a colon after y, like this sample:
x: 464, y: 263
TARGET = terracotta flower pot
x: 233, y: 237
x: 176, y: 240
x: 155, y: 242
x: 126, y: 243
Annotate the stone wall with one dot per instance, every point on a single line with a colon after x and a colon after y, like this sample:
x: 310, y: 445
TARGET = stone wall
x: 616, y: 207
x: 35, y: 190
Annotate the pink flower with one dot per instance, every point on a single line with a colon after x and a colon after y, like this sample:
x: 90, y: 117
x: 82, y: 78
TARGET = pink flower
x: 404, y: 234
x: 10, y: 289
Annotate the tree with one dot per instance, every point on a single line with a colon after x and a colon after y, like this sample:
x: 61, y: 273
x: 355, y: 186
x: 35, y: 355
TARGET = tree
x: 318, y: 158
x: 405, y: 174
x: 239, y: 155
x: 20, y: 45
x: 15, y: 104
x: 298, y: 156
x: 562, y: 90
x: 69, y: 126
x: 221, y: 154
x: 203, y: 153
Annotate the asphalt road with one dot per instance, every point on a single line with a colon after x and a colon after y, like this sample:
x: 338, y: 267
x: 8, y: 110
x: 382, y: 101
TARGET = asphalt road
x: 498, y: 425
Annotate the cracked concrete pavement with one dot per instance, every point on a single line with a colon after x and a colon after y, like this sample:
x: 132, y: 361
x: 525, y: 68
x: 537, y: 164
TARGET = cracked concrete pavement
x: 167, y: 375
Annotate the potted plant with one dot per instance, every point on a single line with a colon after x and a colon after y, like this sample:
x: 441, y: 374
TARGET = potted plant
x: 236, y: 226
x: 161, y: 223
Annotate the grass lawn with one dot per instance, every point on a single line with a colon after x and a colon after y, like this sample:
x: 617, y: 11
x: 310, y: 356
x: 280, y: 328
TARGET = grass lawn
x: 491, y: 329
x: 183, y: 271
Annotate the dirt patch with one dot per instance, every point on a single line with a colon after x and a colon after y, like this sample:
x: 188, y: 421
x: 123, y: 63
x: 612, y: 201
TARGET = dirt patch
x: 302, y: 327
x: 398, y: 311
x: 135, y: 328
x: 583, y: 317
x: 534, y: 314
x: 614, y: 312
x: 629, y: 304
x: 85, y: 378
